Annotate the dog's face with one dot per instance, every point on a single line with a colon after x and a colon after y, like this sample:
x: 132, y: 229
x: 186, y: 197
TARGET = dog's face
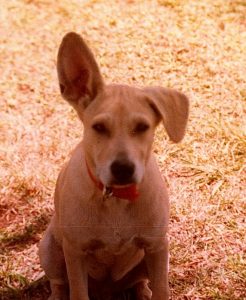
x: 119, y: 121
x: 118, y: 133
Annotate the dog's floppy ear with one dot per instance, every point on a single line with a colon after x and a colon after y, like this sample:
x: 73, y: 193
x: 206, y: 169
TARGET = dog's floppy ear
x: 172, y: 107
x: 78, y: 73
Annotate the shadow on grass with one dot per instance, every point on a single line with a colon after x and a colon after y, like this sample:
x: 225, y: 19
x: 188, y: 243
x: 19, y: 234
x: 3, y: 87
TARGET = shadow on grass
x: 28, y: 235
x: 40, y: 290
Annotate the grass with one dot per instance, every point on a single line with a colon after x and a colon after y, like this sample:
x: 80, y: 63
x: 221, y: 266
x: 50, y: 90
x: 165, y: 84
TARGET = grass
x: 195, y: 46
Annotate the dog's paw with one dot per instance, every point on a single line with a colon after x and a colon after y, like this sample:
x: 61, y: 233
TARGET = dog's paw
x: 63, y: 297
x: 59, y: 292
x: 142, y: 290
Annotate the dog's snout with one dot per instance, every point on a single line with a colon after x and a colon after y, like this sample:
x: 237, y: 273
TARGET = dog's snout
x: 122, y: 171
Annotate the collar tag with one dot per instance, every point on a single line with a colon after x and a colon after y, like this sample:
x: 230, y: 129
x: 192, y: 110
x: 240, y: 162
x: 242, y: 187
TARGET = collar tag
x: 107, y: 192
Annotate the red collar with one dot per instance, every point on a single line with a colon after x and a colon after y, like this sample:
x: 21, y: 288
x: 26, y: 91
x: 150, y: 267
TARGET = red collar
x: 127, y: 192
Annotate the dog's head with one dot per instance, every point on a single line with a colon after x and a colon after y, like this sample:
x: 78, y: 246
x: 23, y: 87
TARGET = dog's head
x: 119, y: 120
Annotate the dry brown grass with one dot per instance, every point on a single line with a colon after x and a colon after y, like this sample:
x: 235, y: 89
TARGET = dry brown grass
x: 195, y: 46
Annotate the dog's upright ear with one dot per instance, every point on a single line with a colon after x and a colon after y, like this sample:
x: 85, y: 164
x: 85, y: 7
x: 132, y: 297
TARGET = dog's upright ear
x: 78, y: 73
x: 172, y: 107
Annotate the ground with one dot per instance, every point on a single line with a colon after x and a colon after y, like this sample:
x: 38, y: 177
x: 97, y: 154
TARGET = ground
x: 197, y: 47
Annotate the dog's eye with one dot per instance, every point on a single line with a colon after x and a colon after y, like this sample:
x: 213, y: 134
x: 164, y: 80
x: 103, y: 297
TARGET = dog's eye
x: 141, y: 127
x: 100, y: 128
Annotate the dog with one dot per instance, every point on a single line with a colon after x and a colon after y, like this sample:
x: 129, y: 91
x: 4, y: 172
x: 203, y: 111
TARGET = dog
x: 109, y: 229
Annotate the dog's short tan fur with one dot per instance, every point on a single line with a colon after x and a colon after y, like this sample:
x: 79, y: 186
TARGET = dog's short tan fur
x: 106, y: 244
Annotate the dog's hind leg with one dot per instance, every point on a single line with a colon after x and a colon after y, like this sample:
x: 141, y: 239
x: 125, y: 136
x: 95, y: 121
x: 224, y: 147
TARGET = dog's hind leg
x: 53, y: 263
x: 135, y: 283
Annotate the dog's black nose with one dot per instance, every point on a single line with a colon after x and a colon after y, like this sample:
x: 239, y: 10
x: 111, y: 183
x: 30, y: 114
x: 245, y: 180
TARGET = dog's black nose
x: 122, y: 171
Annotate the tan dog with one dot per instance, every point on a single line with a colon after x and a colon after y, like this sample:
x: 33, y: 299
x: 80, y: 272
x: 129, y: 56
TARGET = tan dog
x: 108, y: 233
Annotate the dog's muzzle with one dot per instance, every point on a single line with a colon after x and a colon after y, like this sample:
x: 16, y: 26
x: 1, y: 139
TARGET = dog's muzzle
x: 122, y: 171
x: 127, y: 191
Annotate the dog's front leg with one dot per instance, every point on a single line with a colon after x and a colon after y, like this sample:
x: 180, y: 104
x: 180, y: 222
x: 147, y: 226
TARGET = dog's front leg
x: 77, y: 273
x: 157, y: 265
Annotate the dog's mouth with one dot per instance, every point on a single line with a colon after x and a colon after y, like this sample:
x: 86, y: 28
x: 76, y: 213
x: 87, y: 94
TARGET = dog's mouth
x: 122, y: 186
x: 129, y: 191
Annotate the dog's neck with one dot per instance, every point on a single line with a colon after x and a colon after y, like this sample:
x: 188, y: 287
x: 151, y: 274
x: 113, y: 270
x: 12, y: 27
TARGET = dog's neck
x: 129, y: 192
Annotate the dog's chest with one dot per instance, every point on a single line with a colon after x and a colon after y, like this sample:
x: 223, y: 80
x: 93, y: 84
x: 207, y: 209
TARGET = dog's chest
x: 112, y: 222
x: 110, y: 246
x: 112, y: 260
